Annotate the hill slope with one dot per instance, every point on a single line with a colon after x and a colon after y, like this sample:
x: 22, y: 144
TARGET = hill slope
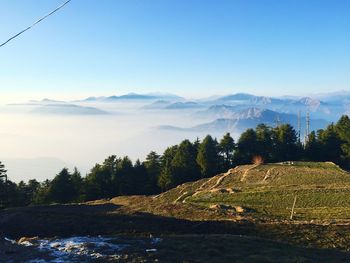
x: 263, y: 192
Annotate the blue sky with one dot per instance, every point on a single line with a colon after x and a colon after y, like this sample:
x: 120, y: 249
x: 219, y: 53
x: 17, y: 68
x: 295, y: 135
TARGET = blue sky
x: 189, y: 47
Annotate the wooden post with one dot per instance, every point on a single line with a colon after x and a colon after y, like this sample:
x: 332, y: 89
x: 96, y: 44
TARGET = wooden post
x: 292, y: 213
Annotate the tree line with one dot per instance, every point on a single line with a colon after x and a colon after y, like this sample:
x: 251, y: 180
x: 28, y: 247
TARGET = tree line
x: 187, y: 161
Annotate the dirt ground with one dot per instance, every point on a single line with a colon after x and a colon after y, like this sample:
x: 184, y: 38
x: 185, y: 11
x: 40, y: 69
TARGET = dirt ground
x: 187, y: 248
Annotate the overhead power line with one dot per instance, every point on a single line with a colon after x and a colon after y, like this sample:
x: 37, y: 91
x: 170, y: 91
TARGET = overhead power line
x: 35, y: 23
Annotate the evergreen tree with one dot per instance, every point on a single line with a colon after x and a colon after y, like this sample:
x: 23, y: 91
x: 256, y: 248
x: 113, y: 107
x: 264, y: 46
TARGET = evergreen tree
x: 264, y: 135
x: 166, y: 179
x: 61, y: 188
x: 331, y: 145
x: 343, y: 129
x: 41, y: 195
x: 77, y: 184
x: 285, y: 143
x: 227, y: 147
x: 98, y: 183
x: 125, y: 175
x: 312, y: 148
x: 142, y: 180
x: 208, y: 157
x: 184, y: 163
x: 246, y: 147
x: 26, y: 192
x: 153, y: 169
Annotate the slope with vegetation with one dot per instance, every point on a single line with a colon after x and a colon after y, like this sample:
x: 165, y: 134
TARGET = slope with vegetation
x: 267, y: 192
x: 186, y: 162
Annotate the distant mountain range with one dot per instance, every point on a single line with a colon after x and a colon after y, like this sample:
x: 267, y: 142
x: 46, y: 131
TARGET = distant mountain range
x: 331, y: 108
x: 320, y: 106
x: 135, y: 97
x: 54, y: 107
x: 233, y: 121
x: 67, y: 109
x: 231, y: 112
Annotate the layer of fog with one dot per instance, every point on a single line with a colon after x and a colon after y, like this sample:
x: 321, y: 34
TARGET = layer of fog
x: 37, y: 145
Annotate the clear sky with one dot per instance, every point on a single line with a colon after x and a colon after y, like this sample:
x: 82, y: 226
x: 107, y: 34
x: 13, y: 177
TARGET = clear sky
x: 188, y: 47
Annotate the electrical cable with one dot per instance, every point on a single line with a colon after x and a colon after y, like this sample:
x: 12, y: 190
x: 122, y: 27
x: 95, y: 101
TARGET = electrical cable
x: 35, y: 23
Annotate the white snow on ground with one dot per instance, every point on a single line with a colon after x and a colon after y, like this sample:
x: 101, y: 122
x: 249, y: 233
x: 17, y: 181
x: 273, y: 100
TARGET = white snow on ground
x: 82, y: 247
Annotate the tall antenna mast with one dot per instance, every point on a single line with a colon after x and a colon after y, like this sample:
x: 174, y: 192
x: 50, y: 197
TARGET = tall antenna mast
x: 307, y: 126
x: 299, y: 126
x: 278, y: 122
x: 3, y: 176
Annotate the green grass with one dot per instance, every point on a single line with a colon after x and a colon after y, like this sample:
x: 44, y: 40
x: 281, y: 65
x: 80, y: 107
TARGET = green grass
x: 322, y: 190
x: 311, y: 203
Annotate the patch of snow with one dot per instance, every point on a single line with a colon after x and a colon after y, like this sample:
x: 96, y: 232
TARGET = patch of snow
x: 151, y: 250
x: 10, y: 240
x: 65, y: 249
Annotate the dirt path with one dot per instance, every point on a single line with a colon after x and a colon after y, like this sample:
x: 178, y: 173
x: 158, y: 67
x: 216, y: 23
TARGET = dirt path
x: 247, y: 171
x: 268, y: 174
x: 202, y: 188
x: 219, y: 181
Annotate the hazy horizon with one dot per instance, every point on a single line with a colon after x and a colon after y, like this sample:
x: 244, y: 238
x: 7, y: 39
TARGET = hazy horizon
x: 23, y: 98
x: 40, y: 138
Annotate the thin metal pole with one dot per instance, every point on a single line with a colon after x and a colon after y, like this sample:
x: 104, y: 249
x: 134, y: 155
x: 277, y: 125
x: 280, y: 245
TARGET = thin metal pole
x: 292, y: 212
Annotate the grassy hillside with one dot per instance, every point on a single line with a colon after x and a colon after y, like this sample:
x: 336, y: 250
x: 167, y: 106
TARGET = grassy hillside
x: 322, y: 191
x: 260, y: 192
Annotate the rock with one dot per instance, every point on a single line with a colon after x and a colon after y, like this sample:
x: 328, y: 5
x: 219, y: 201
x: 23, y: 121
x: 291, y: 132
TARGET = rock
x: 27, y: 241
x: 221, y: 207
x: 239, y: 209
x: 222, y: 190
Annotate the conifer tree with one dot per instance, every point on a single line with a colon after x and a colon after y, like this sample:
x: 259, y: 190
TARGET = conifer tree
x: 208, y: 157
x: 246, y: 147
x: 153, y: 168
x: 227, y: 147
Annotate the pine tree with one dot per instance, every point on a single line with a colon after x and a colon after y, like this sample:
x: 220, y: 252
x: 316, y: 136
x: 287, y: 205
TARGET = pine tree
x: 246, y: 147
x: 343, y: 129
x: 312, y: 148
x: 184, y: 163
x: 61, y: 188
x: 264, y: 142
x: 285, y: 143
x: 166, y: 179
x: 141, y: 180
x: 153, y: 168
x: 331, y: 144
x: 227, y: 147
x: 208, y: 157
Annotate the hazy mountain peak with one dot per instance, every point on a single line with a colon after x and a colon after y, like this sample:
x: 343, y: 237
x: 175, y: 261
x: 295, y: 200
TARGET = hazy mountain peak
x: 309, y: 101
x: 238, y: 96
x: 183, y: 105
x: 67, y: 109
